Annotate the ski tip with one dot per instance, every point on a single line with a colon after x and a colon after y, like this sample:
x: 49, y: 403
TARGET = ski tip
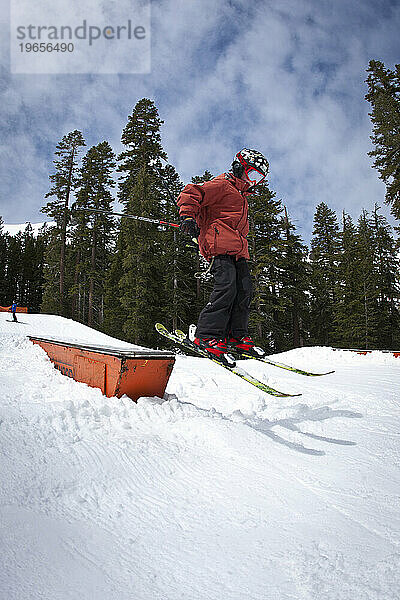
x: 322, y: 374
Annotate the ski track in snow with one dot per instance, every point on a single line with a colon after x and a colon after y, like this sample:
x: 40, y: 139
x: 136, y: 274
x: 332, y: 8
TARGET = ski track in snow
x: 216, y: 491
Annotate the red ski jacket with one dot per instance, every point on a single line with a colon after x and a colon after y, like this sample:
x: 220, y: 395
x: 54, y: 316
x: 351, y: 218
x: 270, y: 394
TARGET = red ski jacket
x: 221, y: 212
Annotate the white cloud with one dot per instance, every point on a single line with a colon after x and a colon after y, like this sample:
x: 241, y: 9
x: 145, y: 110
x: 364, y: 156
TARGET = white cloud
x: 283, y: 76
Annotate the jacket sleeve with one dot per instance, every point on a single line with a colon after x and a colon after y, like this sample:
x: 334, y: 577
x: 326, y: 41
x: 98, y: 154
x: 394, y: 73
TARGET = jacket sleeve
x: 195, y: 195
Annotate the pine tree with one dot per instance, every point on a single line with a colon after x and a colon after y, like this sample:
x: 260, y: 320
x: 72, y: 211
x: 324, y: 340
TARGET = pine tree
x: 177, y: 264
x: 356, y: 307
x: 51, y: 272
x: 36, y: 289
x: 348, y: 287
x: 21, y: 268
x: 64, y: 183
x: 14, y: 267
x: 20, y: 273
x: 114, y: 315
x: 265, y: 247
x: 384, y: 96
x: 138, y: 297
x: 199, y: 279
x: 28, y: 268
x: 386, y: 263
x: 92, y: 235
x: 366, y: 329
x: 325, y: 247
x: 294, y: 287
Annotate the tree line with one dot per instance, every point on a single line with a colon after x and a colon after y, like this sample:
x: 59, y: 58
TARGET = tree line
x: 22, y: 267
x: 122, y: 275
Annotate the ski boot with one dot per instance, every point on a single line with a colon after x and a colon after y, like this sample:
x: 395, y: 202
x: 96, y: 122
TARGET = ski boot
x: 244, y: 345
x: 217, y: 350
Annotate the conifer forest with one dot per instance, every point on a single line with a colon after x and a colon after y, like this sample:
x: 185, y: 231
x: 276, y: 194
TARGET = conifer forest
x: 121, y: 275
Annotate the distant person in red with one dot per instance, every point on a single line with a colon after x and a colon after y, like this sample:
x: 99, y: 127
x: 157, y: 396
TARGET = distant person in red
x: 216, y: 212
x: 13, y: 309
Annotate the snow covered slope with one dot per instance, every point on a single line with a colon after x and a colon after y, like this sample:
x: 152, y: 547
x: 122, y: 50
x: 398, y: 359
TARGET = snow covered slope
x: 215, y: 492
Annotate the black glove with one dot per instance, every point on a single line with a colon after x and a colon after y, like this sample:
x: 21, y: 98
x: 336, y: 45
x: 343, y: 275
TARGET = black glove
x: 189, y: 226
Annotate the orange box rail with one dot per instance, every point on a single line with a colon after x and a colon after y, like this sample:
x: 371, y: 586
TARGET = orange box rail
x: 23, y: 309
x: 114, y: 371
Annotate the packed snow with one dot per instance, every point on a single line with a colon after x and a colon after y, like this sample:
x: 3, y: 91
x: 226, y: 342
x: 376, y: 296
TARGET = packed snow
x: 216, y: 491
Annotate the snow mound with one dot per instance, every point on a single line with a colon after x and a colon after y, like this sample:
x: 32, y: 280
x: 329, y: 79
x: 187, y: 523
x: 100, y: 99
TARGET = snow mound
x: 334, y: 357
x: 215, y: 491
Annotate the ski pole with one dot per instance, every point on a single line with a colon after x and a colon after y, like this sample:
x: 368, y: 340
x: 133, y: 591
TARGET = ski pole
x: 154, y: 163
x: 128, y: 216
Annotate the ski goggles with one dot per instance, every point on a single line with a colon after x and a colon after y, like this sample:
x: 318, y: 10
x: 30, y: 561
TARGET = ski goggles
x: 253, y: 175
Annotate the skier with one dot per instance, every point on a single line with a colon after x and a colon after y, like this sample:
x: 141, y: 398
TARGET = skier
x: 216, y: 212
x: 13, y: 309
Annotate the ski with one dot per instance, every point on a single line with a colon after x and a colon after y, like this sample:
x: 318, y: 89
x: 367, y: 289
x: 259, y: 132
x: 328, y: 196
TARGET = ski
x: 263, y: 359
x: 189, y: 346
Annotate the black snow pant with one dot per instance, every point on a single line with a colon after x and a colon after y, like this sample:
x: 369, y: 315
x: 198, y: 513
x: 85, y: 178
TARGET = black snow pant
x: 227, y: 312
x: 14, y: 317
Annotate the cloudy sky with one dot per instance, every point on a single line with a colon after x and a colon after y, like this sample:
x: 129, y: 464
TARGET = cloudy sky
x: 283, y: 76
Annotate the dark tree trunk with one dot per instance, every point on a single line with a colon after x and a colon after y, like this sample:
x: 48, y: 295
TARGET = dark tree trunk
x: 75, y: 294
x: 91, y: 281
x: 64, y: 236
